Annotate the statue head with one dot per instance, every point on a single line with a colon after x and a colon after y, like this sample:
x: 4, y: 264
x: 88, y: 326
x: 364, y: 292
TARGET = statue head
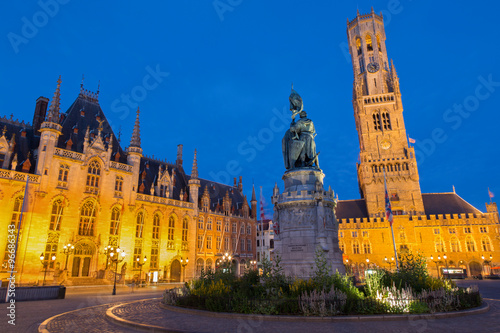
x: 303, y: 114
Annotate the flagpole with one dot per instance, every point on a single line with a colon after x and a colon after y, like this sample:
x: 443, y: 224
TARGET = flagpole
x: 13, y: 265
x: 389, y: 218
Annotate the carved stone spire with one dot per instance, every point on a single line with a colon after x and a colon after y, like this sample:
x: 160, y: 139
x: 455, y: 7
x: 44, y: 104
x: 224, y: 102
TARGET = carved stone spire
x: 53, y: 115
x: 194, y: 171
x: 253, y: 194
x: 136, y: 134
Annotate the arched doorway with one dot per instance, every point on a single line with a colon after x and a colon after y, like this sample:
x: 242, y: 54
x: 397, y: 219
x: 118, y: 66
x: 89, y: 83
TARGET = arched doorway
x: 199, y: 266
x: 82, y: 259
x: 175, y: 271
x: 475, y: 268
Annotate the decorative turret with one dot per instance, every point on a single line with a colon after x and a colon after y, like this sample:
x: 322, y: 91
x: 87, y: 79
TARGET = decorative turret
x: 134, y: 151
x: 55, y: 104
x: 194, y: 183
x: 253, y: 203
x: 135, y: 141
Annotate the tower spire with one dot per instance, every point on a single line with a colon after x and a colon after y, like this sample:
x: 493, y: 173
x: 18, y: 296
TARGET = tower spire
x: 253, y: 193
x: 136, y: 134
x: 53, y: 115
x: 194, y: 171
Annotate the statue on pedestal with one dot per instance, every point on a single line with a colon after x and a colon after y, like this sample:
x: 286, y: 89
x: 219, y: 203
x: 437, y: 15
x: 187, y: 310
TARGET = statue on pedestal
x: 299, y: 148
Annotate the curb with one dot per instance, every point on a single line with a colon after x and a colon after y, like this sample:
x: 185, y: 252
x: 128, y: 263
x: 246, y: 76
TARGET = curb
x: 439, y: 315
x: 131, y: 324
x: 152, y: 328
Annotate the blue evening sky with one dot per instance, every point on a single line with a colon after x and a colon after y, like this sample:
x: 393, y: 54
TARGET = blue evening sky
x: 230, y: 64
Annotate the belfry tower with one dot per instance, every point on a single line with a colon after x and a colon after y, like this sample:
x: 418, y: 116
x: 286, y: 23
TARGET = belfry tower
x: 378, y: 112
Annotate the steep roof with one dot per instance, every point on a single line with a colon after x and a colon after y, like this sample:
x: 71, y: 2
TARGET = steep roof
x: 217, y: 192
x: 351, y: 209
x: 25, y: 144
x: 446, y: 203
x: 73, y: 118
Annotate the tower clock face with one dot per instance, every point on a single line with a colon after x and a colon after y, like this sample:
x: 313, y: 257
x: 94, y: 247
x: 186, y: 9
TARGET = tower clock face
x: 373, y: 67
x: 385, y: 144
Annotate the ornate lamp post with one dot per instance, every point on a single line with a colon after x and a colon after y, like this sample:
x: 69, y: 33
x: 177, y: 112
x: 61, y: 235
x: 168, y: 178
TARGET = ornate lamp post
x: 253, y: 263
x: 390, y: 263
x: 116, y: 255
x: 106, y: 251
x: 67, y: 250
x: 437, y: 263
x: 45, y: 265
x: 184, y: 264
x: 140, y: 264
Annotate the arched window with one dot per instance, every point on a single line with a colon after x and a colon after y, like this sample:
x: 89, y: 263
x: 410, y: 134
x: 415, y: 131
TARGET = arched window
x: 358, y: 45
x: 209, y: 264
x: 439, y: 245
x: 199, y: 266
x: 62, y: 179
x: 471, y: 245
x: 185, y: 225
x: 171, y: 230
x: 454, y: 244
x: 376, y: 122
x: 118, y: 186
x: 355, y: 247
x: 342, y: 247
x: 87, y: 219
x: 386, y: 121
x: 485, y: 243
x: 139, y: 225
x: 156, y: 226
x: 114, y: 226
x: 93, y: 176
x: 56, y: 215
x: 369, y: 45
x: 378, y: 44
x: 16, y: 212
x: 367, y: 247
x: 209, y: 224
x: 219, y: 225
x: 200, y: 223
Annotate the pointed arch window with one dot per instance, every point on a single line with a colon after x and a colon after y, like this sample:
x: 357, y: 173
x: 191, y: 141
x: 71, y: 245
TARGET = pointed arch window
x: 367, y: 247
x: 439, y: 245
x: 358, y: 45
x: 355, y: 247
x: 16, y: 212
x: 87, y: 219
x: 185, y: 226
x: 454, y: 244
x: 471, y: 245
x: 485, y: 244
x: 386, y: 121
x: 378, y: 44
x: 156, y: 226
x: 93, y: 177
x: 171, y: 230
x: 139, y: 224
x: 376, y: 122
x: 369, y: 45
x: 118, y: 186
x: 56, y: 215
x: 114, y: 226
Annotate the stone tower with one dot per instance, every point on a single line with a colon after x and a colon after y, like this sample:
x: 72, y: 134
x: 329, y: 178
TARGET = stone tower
x: 378, y: 112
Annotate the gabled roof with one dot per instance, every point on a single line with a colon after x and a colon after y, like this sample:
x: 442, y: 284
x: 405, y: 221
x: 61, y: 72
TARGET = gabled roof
x: 73, y: 119
x: 447, y: 203
x: 351, y: 209
x: 217, y: 191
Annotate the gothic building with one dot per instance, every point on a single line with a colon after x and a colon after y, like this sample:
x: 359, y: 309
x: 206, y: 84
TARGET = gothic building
x: 83, y: 189
x: 439, y: 225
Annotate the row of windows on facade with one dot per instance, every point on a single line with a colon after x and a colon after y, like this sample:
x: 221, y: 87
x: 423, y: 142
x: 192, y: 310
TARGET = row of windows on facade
x: 436, y: 231
x: 93, y: 177
x: 439, y: 245
x: 205, y: 241
x: 234, y: 226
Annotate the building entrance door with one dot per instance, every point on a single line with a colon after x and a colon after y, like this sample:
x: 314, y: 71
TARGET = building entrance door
x: 175, y: 271
x: 75, y: 271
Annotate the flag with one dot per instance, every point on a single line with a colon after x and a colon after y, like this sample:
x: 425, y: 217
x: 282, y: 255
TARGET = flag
x: 490, y: 194
x: 388, y: 209
x: 276, y: 227
x: 411, y: 140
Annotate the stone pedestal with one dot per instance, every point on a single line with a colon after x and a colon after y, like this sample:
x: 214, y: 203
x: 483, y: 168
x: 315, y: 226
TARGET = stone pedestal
x: 304, y: 212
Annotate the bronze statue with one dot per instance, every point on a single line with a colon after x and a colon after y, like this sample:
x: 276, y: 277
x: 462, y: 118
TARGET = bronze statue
x: 299, y: 148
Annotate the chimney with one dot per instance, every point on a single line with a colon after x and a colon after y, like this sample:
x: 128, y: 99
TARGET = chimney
x: 178, y: 162
x: 40, y: 112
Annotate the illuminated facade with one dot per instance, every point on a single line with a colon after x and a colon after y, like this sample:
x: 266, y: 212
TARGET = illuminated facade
x: 433, y: 224
x: 84, y: 189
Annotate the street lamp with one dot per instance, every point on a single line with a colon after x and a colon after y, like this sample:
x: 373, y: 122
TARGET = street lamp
x: 226, y: 258
x: 140, y: 264
x: 390, y: 263
x: 45, y: 265
x: 446, y: 262
x: 107, y: 250
x: 116, y: 255
x: 184, y: 264
x: 437, y: 262
x: 67, y: 250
